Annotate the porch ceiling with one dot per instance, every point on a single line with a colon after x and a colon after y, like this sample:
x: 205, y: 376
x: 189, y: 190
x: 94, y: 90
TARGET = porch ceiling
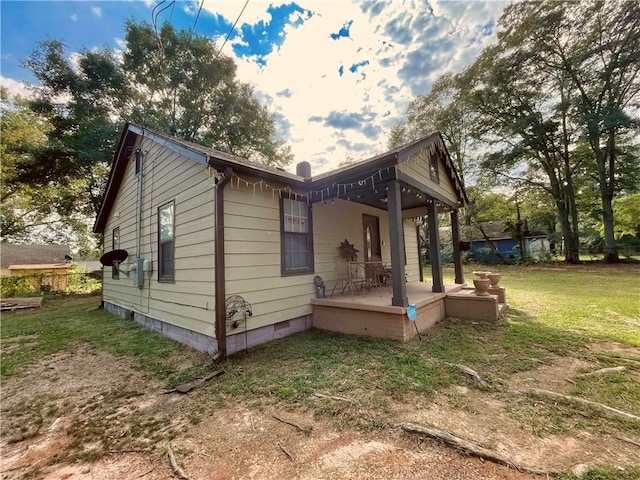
x: 376, y: 195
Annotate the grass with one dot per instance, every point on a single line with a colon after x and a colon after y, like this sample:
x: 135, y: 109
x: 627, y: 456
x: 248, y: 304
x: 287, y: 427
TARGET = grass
x: 28, y: 336
x: 606, y: 473
x: 554, y: 310
x: 590, y: 299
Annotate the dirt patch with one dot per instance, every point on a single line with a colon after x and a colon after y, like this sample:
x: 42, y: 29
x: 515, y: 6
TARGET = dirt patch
x: 81, y: 404
x: 617, y: 348
x: 491, y: 422
x: 249, y: 444
x: 555, y: 375
x: 87, y: 414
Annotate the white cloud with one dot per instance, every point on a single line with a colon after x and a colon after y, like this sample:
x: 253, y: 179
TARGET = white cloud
x: 407, y: 45
x: 120, y: 42
x: 74, y: 17
x: 97, y: 11
x: 16, y: 88
x: 74, y: 61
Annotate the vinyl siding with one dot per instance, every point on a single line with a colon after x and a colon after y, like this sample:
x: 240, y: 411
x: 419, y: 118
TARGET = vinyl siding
x: 412, y: 269
x: 334, y: 222
x: 418, y: 167
x: 188, y: 302
x: 252, y: 247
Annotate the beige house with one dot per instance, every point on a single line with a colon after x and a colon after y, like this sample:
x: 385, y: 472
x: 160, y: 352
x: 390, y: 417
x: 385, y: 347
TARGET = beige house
x: 223, y: 253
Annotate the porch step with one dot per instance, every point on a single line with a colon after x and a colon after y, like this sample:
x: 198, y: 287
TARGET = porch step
x: 466, y: 304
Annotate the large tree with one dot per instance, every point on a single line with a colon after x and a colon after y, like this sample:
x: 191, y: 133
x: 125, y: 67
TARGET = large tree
x: 168, y: 81
x: 180, y: 79
x: 444, y: 109
x: 594, y: 47
x: 523, y: 117
x: 32, y: 207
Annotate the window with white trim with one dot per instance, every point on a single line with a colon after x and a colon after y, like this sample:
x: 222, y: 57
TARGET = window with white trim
x: 166, y: 242
x: 296, y: 237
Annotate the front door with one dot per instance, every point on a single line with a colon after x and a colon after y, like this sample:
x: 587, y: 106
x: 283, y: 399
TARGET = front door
x: 371, y: 234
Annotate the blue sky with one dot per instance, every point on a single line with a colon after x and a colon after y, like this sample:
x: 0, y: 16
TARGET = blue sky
x: 337, y: 75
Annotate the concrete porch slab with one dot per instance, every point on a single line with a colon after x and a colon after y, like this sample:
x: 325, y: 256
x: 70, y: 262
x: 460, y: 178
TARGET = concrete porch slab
x: 466, y: 304
x: 371, y: 313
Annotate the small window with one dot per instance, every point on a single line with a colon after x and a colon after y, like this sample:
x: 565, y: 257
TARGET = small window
x: 296, y: 237
x: 138, y: 160
x: 166, y: 243
x: 433, y: 169
x: 115, y: 245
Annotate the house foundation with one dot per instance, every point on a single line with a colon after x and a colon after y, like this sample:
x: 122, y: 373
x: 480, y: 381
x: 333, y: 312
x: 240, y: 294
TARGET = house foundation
x: 368, y: 314
x: 235, y: 342
x: 250, y: 338
x: 199, y: 341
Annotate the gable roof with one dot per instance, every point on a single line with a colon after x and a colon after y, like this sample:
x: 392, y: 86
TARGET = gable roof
x: 315, y: 185
x: 32, y: 254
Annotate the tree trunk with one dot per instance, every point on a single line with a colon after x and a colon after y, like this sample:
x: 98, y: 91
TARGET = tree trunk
x: 571, y: 242
x: 606, y: 191
x: 569, y: 191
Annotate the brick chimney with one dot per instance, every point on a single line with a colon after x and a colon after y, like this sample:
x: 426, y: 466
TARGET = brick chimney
x: 303, y: 169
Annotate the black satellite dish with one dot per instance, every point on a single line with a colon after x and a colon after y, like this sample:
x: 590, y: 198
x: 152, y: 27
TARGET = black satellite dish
x: 115, y: 257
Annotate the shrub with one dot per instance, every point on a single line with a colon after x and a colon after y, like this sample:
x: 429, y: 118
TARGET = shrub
x: 79, y: 281
x: 15, y: 286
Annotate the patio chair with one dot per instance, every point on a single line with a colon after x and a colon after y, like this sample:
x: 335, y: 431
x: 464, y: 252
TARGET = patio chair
x: 375, y: 273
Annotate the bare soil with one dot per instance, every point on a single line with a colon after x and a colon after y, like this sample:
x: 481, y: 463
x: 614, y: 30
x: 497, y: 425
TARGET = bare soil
x: 59, y: 413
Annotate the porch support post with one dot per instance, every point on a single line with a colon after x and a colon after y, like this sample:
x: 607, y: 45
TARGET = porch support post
x: 455, y: 238
x: 396, y: 237
x: 434, y: 247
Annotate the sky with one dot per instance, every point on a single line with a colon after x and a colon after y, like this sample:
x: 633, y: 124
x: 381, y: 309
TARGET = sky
x: 337, y: 75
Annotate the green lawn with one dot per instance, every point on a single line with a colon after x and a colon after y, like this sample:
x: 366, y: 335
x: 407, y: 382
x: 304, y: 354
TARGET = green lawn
x: 28, y: 336
x: 553, y: 310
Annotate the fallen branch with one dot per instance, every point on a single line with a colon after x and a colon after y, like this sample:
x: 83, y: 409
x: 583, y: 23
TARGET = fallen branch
x: 329, y: 397
x: 599, y: 406
x: 286, y: 452
x: 469, y: 447
x: 187, y: 387
x: 184, y: 388
x: 628, y: 360
x: 306, y: 429
x: 212, y: 375
x: 620, y: 358
x: 602, y: 371
x: 628, y: 440
x: 471, y: 373
x: 180, y: 473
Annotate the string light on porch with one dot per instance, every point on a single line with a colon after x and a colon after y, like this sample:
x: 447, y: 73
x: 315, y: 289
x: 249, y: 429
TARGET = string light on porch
x: 343, y: 189
x: 339, y: 190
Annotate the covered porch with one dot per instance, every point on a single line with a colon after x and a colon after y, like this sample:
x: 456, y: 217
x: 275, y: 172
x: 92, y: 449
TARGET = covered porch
x: 369, y: 313
x: 388, y: 199
x: 416, y: 182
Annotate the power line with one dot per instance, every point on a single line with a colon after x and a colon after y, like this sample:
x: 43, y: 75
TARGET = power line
x: 232, y: 28
x: 196, y: 20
